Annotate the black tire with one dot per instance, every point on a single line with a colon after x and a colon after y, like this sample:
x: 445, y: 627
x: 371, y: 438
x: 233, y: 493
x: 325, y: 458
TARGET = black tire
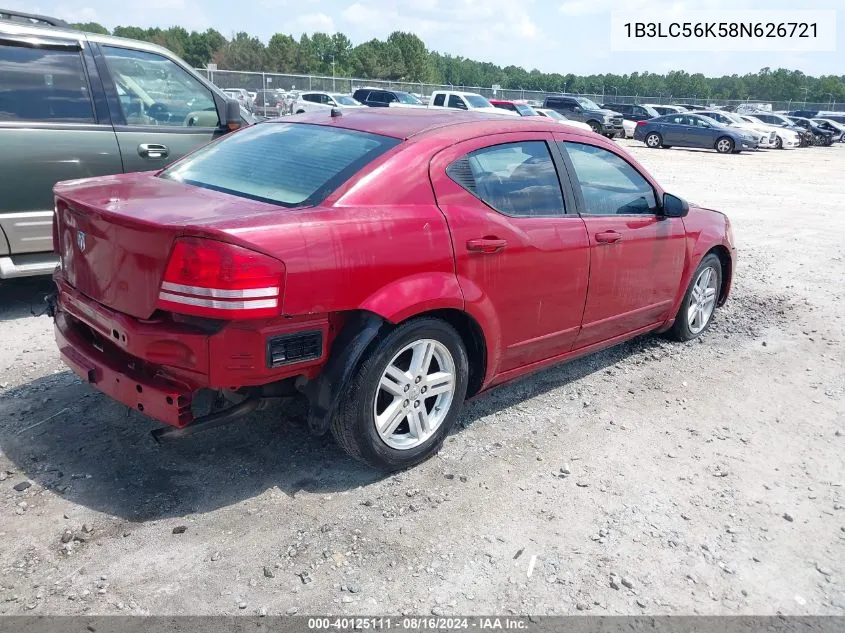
x: 778, y: 142
x: 656, y: 140
x: 300, y: 111
x: 595, y: 126
x: 353, y: 425
x: 680, y: 330
x: 724, y: 147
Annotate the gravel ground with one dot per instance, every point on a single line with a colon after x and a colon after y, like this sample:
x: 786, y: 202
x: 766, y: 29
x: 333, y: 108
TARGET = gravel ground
x: 704, y: 478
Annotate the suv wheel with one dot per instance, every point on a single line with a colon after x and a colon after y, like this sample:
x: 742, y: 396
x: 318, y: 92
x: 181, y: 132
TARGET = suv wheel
x: 595, y: 126
x: 404, y: 396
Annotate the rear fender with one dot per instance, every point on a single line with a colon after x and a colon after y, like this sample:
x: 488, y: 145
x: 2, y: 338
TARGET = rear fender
x: 409, y: 296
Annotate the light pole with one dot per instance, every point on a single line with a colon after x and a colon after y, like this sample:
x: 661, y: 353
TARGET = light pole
x: 830, y: 103
x: 333, y: 88
x: 806, y: 91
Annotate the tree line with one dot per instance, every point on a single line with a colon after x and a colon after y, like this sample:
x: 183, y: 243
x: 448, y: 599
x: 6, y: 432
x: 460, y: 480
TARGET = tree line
x: 404, y: 56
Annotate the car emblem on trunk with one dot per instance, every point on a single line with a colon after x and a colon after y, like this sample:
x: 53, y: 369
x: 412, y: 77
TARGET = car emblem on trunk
x: 80, y: 240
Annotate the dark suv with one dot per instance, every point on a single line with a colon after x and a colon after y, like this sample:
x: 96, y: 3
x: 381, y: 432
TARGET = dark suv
x: 377, y: 98
x: 602, y: 121
x: 632, y: 111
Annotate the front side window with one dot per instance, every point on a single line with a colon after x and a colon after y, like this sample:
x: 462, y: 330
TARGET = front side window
x: 609, y: 184
x: 40, y: 84
x: 477, y: 101
x: 456, y: 102
x: 516, y: 179
x: 440, y: 99
x: 309, y: 162
x: 154, y: 90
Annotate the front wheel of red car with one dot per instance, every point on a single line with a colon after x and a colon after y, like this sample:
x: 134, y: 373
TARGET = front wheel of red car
x: 405, y: 396
x: 696, y: 311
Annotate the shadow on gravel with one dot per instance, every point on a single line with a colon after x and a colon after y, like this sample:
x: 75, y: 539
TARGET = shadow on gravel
x: 24, y: 297
x: 97, y: 453
x: 65, y: 436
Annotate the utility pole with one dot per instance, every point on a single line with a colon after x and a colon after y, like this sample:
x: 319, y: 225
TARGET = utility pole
x: 333, y: 88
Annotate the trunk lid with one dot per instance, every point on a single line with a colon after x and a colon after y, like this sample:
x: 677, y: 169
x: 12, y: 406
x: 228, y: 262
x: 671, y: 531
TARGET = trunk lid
x: 116, y: 233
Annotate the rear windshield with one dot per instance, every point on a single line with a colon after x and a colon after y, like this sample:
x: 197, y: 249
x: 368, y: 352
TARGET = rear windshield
x: 289, y: 164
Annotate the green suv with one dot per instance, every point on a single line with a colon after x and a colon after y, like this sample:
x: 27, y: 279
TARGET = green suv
x: 74, y: 105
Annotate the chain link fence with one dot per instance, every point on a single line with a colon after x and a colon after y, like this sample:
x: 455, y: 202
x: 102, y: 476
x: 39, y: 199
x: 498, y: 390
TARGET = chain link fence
x: 253, y: 81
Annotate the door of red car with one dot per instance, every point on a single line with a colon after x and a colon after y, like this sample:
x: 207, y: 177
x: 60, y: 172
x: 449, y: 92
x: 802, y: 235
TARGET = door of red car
x: 636, y: 254
x: 521, y: 259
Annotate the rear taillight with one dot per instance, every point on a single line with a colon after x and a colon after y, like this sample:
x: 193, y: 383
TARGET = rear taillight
x: 643, y: 122
x: 219, y: 280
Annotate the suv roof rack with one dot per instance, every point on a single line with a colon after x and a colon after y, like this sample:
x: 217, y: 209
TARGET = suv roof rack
x: 31, y: 18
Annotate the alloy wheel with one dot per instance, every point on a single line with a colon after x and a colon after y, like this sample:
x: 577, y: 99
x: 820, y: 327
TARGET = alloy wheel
x: 724, y: 145
x: 653, y: 140
x: 702, y: 300
x: 414, y: 394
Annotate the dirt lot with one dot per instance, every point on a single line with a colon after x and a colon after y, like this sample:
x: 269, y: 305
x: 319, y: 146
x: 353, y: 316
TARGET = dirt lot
x: 704, y: 478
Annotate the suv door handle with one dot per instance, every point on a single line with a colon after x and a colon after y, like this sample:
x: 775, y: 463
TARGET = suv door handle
x: 487, y: 245
x: 608, y: 237
x: 153, y: 150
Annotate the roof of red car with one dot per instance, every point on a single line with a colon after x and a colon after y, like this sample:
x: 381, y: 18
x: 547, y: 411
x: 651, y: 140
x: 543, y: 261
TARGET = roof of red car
x: 405, y: 123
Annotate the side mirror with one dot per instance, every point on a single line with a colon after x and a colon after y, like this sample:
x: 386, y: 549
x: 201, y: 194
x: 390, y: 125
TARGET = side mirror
x: 674, y: 207
x: 576, y: 108
x: 233, y: 114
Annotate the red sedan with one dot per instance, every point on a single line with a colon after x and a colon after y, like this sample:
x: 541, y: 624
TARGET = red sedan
x: 386, y: 263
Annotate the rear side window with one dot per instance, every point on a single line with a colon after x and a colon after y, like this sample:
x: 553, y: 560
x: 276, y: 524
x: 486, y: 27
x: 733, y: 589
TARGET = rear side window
x: 440, y: 99
x: 40, y: 84
x: 609, y: 185
x: 516, y: 179
x: 309, y: 162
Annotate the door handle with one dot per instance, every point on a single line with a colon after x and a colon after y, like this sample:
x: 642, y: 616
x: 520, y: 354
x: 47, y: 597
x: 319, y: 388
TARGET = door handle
x: 153, y: 150
x: 608, y: 237
x: 487, y: 245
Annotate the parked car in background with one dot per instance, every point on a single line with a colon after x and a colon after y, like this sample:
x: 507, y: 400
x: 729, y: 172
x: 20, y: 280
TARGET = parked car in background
x: 241, y: 95
x: 820, y: 136
x: 828, y: 125
x: 463, y: 101
x: 693, y: 130
x: 230, y: 277
x: 519, y: 107
x: 838, y: 117
x: 804, y: 114
x: 316, y: 101
x: 687, y: 106
x: 779, y: 120
x: 380, y: 98
x: 268, y: 103
x: 665, y: 109
x: 632, y: 111
x: 629, y: 127
x: 557, y: 116
x: 59, y: 122
x: 784, y: 138
x: 766, y: 137
x: 600, y: 120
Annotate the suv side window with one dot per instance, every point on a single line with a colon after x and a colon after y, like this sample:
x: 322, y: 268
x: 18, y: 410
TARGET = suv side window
x: 154, y: 90
x: 440, y: 99
x: 38, y: 84
x: 362, y: 95
x: 455, y: 101
x: 609, y: 185
x: 516, y: 179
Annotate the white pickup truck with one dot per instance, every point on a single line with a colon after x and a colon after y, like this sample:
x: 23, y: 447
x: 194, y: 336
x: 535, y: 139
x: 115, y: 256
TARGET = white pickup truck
x: 464, y: 101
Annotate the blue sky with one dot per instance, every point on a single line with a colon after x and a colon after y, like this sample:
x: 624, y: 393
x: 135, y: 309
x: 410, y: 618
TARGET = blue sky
x: 551, y: 35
